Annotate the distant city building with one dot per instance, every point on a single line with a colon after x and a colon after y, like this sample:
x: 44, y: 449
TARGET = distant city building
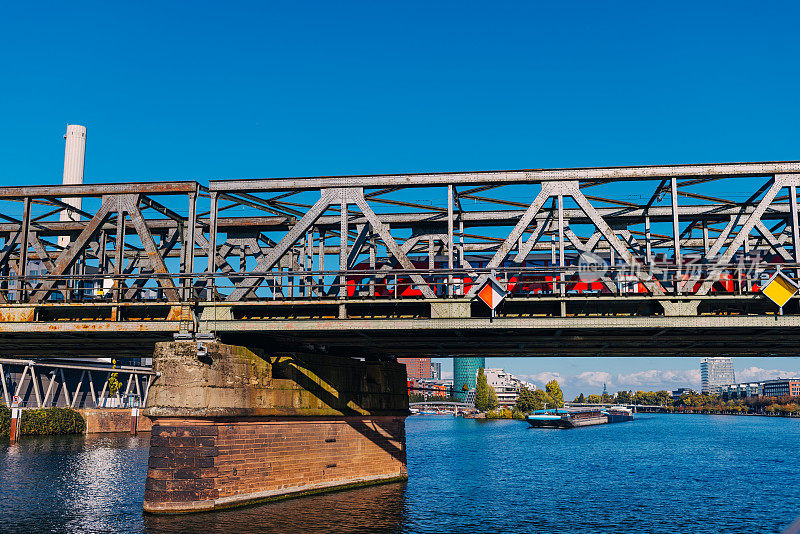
x: 742, y: 390
x: 781, y: 387
x: 435, y: 388
x: 677, y: 393
x: 417, y: 368
x: 506, y: 386
x: 469, y: 397
x: 436, y: 370
x: 716, y: 372
x: 465, y: 372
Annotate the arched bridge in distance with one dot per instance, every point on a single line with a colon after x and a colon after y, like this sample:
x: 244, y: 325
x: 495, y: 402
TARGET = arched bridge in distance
x: 650, y: 260
x: 274, y: 308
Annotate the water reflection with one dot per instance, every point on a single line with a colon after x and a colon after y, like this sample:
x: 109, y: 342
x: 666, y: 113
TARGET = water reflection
x: 375, y: 509
x: 73, y: 483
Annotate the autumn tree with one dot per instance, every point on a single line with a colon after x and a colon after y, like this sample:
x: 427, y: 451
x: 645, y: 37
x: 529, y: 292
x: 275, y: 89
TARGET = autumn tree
x: 555, y: 394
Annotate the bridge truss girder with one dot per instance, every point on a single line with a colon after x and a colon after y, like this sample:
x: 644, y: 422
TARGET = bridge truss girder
x: 397, y: 247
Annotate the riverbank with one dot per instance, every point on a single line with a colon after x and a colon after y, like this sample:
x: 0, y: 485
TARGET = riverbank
x: 65, y: 421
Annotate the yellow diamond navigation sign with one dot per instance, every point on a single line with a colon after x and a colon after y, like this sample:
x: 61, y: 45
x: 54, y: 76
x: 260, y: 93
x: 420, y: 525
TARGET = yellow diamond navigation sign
x: 779, y: 289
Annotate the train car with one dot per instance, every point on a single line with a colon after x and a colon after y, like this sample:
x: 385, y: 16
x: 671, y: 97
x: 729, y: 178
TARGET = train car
x: 535, y: 278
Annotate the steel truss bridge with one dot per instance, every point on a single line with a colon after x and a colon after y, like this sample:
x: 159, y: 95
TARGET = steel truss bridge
x: 649, y: 260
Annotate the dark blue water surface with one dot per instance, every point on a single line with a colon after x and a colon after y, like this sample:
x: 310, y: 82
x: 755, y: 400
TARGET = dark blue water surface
x: 661, y: 473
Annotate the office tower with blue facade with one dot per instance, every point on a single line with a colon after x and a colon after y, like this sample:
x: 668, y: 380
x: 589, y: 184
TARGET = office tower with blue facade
x: 465, y: 371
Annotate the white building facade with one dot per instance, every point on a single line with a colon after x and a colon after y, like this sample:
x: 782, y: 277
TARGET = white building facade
x: 506, y: 386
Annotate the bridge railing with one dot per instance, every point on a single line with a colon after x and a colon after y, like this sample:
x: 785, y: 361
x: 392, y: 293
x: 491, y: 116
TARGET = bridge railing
x: 399, y: 284
x: 44, y: 384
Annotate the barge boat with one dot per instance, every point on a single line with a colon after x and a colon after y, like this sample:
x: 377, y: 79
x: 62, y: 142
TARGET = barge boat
x: 576, y: 417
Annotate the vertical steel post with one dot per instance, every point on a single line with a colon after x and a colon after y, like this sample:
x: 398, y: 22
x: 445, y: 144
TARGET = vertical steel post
x: 343, y: 244
x: 705, y: 237
x: 321, y: 262
x: 23, y: 251
x: 460, y: 240
x: 212, y: 245
x: 189, y: 280
x: 676, y: 234
x: 372, y: 262
x: 561, y: 241
x: 795, y: 228
x: 343, y: 237
x: 310, y: 256
x: 119, y: 255
x: 450, y: 240
x: 647, y: 240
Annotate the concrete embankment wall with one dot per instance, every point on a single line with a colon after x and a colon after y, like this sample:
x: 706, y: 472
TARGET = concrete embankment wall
x: 100, y: 420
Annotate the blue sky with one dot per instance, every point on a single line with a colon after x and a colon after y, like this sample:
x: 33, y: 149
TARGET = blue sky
x: 231, y: 90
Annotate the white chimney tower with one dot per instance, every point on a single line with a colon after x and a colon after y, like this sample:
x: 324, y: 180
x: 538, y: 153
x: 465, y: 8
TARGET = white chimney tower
x: 74, y: 154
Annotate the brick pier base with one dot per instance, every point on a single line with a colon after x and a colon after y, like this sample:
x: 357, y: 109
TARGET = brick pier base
x: 200, y: 465
x: 234, y: 429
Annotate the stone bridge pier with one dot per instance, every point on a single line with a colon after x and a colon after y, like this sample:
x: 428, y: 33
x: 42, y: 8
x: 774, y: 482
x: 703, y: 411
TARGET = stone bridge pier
x: 233, y: 426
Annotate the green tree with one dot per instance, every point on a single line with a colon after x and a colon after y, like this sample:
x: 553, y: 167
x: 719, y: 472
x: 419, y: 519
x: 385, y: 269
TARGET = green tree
x: 481, y: 392
x: 580, y: 399
x: 526, y: 401
x: 555, y: 394
x: 663, y: 397
x: 593, y: 399
x: 541, y: 400
x: 492, y: 402
x: 623, y: 397
x: 416, y: 397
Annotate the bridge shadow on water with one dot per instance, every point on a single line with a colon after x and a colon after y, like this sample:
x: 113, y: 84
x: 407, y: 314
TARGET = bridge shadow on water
x: 375, y: 509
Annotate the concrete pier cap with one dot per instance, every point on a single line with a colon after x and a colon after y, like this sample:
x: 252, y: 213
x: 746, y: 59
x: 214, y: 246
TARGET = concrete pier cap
x: 233, y: 426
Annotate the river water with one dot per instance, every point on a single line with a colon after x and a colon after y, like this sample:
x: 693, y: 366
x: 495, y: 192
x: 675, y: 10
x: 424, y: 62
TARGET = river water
x: 661, y: 473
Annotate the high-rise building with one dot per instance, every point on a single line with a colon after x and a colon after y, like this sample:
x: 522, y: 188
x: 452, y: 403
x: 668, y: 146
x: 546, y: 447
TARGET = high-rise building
x: 716, y: 372
x: 465, y: 373
x: 417, y: 368
x: 436, y: 370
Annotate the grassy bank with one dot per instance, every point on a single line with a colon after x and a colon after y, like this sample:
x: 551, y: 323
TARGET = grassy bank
x: 44, y: 422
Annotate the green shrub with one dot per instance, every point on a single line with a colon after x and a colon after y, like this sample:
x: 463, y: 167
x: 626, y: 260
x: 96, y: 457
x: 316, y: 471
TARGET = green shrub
x: 44, y: 422
x: 5, y: 420
x: 505, y: 413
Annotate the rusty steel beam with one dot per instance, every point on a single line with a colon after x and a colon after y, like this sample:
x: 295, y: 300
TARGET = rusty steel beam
x: 529, y: 176
x: 97, y: 190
